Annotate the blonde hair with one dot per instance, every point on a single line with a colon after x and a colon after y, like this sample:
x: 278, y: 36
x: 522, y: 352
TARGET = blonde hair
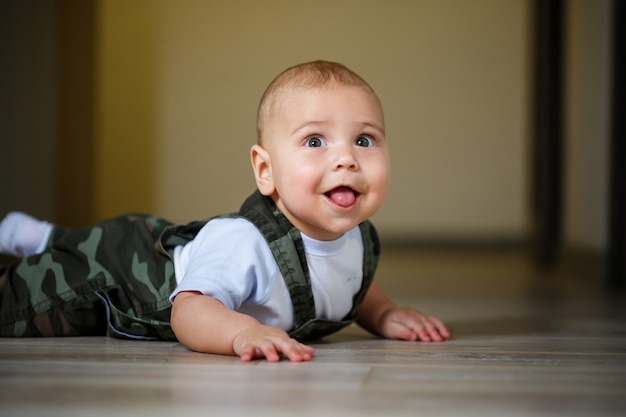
x: 315, y: 74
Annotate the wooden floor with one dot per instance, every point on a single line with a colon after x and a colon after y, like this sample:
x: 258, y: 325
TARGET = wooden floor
x: 526, y: 343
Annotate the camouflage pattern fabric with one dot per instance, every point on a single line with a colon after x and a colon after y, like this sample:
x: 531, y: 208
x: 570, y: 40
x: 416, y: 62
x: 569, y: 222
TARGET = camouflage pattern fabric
x: 60, y: 292
x: 116, y: 277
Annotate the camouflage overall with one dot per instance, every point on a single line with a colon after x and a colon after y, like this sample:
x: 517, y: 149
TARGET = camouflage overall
x: 116, y: 277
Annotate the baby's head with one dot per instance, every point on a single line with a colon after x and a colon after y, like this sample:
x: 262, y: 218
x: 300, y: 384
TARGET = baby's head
x: 316, y: 74
x: 321, y: 151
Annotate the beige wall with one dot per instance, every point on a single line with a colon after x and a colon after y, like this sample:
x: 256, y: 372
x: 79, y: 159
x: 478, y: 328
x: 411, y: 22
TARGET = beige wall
x: 178, y: 84
x: 127, y: 41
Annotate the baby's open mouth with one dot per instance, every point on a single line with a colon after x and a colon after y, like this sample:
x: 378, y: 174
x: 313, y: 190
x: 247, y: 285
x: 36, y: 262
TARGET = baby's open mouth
x: 342, y: 196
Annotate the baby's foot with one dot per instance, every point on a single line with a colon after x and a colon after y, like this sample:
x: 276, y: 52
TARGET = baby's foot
x: 22, y: 235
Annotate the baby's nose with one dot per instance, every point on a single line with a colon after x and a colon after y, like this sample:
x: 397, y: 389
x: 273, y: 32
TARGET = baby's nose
x: 345, y: 163
x: 346, y: 160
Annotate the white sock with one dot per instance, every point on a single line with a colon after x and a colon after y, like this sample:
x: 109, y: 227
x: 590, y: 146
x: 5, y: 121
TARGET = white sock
x: 22, y: 235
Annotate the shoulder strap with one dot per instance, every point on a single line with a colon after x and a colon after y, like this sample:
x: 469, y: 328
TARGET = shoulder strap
x: 286, y: 244
x: 371, y: 254
x: 178, y: 234
x: 317, y: 328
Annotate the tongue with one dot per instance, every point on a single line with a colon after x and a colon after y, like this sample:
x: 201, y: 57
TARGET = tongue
x: 342, y: 196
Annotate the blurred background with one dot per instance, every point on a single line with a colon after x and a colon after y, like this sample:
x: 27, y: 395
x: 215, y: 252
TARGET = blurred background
x: 115, y: 106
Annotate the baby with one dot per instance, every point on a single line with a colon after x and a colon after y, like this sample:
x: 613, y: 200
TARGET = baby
x: 294, y: 264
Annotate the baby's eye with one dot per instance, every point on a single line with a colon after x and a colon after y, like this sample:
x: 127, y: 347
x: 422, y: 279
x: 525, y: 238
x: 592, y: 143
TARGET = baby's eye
x: 365, y: 141
x: 315, y: 142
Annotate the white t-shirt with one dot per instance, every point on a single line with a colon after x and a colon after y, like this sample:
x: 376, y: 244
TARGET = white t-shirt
x: 230, y: 260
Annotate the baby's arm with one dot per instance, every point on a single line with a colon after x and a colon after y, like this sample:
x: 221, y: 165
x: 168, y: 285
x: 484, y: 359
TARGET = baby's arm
x: 381, y: 316
x: 204, y: 324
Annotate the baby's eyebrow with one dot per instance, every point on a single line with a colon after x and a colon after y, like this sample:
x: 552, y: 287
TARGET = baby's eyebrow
x: 308, y: 124
x: 375, y: 126
x: 320, y: 123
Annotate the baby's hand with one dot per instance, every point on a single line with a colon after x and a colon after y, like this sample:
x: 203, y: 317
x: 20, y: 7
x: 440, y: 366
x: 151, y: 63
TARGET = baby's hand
x: 409, y: 324
x: 268, y: 342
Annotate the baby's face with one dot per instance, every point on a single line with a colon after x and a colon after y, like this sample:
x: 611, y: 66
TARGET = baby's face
x: 328, y: 159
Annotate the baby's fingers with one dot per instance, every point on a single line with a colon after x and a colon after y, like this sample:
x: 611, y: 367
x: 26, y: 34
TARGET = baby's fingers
x: 259, y: 350
x: 440, y: 327
x: 297, y: 352
x: 430, y: 328
x: 409, y: 324
x: 271, y: 349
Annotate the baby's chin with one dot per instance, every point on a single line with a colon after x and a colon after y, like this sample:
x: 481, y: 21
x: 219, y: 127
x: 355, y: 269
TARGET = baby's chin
x: 325, y: 224
x: 329, y: 230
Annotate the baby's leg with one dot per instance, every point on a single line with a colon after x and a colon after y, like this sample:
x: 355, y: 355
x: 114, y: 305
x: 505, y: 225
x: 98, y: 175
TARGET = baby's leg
x: 38, y: 298
x: 22, y: 235
x: 52, y: 293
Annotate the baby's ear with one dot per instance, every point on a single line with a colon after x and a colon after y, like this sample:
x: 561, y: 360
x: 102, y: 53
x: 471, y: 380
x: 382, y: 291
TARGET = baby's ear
x: 262, y: 167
